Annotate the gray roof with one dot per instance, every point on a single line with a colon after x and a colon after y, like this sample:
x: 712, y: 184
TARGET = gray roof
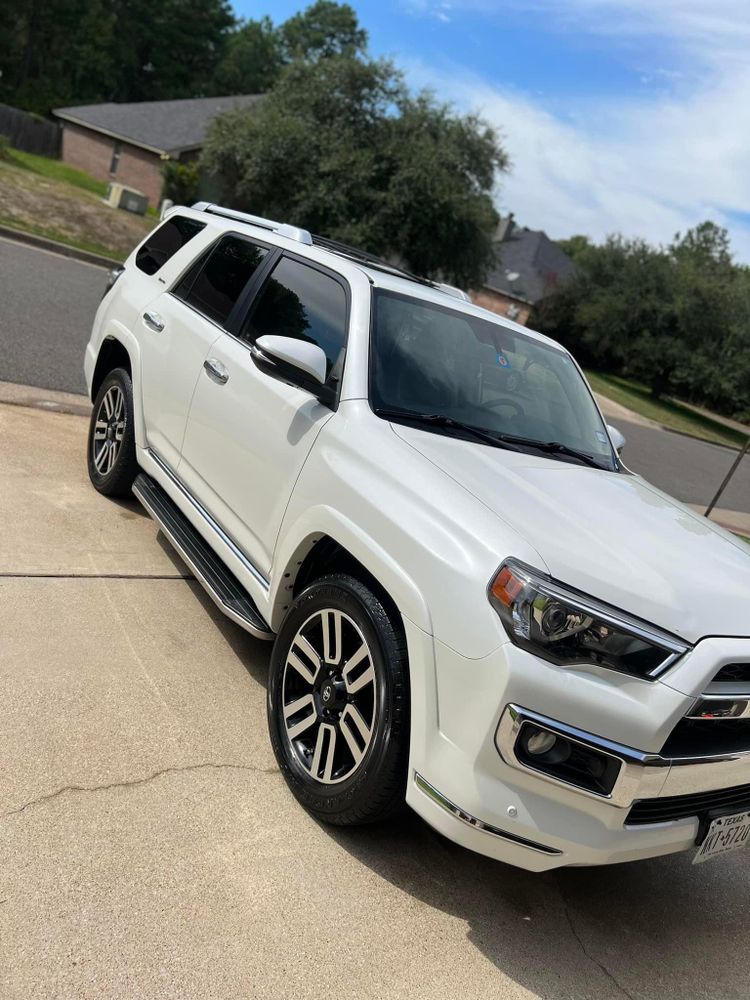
x: 160, y: 126
x: 531, y: 255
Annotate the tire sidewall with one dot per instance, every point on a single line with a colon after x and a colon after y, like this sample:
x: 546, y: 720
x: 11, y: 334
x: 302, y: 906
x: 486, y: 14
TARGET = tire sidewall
x: 348, y: 595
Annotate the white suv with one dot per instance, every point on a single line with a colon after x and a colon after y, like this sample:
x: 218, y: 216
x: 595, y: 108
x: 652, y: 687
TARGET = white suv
x: 475, y: 606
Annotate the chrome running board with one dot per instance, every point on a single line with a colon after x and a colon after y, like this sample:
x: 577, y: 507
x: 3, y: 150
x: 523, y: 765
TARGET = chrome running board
x: 220, y: 584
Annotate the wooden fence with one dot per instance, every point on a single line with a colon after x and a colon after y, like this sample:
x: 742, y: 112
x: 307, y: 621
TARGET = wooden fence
x: 29, y: 132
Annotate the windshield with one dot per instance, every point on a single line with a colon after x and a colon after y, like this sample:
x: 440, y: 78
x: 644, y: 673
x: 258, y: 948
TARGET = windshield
x: 432, y: 359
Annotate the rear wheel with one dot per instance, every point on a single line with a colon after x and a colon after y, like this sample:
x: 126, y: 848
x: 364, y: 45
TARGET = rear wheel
x: 338, y: 703
x: 111, y: 444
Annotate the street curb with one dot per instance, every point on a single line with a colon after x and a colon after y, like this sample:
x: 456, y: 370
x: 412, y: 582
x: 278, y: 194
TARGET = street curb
x: 13, y: 394
x: 53, y: 246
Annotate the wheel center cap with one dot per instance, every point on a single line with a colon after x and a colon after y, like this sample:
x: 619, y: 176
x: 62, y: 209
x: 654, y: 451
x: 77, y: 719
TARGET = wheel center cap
x: 332, y: 694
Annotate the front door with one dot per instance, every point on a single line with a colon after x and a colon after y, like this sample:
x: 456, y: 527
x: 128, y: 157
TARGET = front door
x: 249, y: 434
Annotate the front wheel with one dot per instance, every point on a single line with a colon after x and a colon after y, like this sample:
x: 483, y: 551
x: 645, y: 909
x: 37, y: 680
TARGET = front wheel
x: 338, y: 703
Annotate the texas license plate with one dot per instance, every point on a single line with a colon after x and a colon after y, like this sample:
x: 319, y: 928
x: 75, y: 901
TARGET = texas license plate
x: 725, y: 834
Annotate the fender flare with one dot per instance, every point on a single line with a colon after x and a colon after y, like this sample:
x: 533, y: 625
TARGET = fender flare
x: 316, y: 522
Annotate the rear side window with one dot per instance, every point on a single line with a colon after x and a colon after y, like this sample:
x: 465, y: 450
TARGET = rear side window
x: 302, y: 302
x: 165, y: 241
x: 214, y: 283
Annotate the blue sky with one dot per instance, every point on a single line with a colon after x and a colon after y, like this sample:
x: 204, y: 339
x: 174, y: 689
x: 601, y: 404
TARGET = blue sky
x: 627, y: 116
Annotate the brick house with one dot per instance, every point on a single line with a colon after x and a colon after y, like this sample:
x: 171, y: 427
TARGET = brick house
x: 529, y: 266
x: 129, y: 143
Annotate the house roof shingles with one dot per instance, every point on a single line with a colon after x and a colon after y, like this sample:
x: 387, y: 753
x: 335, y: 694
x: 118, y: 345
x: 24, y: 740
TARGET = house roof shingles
x: 161, y: 126
x: 532, y: 255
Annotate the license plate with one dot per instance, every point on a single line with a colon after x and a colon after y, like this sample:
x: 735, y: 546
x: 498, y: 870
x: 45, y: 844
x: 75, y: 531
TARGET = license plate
x: 725, y: 834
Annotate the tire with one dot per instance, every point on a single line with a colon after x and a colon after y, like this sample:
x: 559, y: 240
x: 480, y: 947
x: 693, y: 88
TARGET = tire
x: 333, y: 783
x: 110, y: 450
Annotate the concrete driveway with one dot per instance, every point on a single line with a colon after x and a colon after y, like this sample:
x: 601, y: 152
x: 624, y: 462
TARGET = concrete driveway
x: 150, y: 848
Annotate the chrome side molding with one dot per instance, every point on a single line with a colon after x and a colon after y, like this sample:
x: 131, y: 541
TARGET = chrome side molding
x: 445, y: 803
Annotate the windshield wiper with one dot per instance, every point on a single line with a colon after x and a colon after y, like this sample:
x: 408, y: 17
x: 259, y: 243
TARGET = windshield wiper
x: 500, y: 440
x: 555, y: 448
x: 442, y: 420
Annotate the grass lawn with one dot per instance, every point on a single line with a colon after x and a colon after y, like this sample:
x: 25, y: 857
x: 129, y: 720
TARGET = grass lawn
x: 53, y: 199
x: 56, y: 170
x: 664, y: 411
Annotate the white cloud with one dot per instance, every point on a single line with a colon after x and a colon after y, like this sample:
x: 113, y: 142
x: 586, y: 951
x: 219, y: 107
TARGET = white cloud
x: 648, y: 165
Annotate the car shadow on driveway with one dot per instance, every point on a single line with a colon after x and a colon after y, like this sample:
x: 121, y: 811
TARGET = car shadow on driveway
x: 653, y: 929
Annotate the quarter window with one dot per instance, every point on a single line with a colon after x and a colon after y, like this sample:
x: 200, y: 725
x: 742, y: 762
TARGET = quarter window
x: 302, y: 302
x: 165, y: 241
x: 215, y: 282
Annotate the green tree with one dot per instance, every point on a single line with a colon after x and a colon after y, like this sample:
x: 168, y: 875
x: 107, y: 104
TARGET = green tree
x: 252, y: 59
x: 59, y: 52
x: 181, y: 182
x: 323, y: 29
x: 677, y: 318
x: 341, y: 147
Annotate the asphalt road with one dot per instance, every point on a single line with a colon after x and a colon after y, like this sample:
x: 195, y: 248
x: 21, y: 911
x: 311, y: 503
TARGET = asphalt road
x: 688, y: 469
x: 47, y: 304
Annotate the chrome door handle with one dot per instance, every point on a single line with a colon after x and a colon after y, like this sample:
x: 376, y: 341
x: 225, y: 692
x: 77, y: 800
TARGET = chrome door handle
x: 153, y: 321
x: 216, y: 371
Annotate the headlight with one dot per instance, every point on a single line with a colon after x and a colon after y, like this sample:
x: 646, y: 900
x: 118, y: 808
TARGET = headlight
x: 569, y: 628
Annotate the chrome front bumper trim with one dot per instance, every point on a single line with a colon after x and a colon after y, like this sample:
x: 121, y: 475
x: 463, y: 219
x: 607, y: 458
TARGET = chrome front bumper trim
x: 642, y: 775
x: 445, y: 803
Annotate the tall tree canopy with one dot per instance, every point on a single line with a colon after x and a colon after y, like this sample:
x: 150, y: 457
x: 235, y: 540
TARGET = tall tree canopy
x: 58, y: 52
x: 341, y: 147
x: 677, y: 318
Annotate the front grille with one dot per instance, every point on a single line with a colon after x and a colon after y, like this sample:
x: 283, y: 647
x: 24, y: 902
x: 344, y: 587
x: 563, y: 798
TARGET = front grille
x: 707, y: 737
x: 736, y: 672
x: 682, y: 806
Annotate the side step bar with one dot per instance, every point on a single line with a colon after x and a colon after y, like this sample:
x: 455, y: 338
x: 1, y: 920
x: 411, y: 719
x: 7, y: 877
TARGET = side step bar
x: 221, y: 585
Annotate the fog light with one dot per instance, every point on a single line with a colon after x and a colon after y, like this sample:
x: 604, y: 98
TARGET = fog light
x: 539, y: 741
x: 566, y: 760
x: 544, y: 746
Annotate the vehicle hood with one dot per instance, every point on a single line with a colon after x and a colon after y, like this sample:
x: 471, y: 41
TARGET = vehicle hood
x: 613, y: 536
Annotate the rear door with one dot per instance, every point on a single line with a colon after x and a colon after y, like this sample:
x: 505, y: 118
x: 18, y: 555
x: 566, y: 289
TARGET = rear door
x: 178, y: 329
x: 248, y: 436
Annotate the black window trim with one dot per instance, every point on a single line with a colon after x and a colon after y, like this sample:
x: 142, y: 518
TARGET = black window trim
x: 251, y: 296
x: 258, y: 275
x: 143, y: 245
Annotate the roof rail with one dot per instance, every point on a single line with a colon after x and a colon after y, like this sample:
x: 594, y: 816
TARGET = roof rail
x: 457, y: 293
x: 281, y: 228
x: 364, y: 257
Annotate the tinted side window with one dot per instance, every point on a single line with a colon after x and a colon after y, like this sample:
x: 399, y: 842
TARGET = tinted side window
x: 299, y: 301
x: 214, y: 283
x: 165, y: 241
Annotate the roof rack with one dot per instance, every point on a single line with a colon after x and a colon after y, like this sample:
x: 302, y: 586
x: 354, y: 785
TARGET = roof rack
x: 335, y: 246
x: 291, y: 232
x: 363, y: 257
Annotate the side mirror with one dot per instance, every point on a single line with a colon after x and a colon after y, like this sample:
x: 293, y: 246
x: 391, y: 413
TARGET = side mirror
x: 304, y: 357
x: 617, y: 438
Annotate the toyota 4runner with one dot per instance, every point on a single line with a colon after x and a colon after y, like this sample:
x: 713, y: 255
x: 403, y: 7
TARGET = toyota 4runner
x: 474, y: 605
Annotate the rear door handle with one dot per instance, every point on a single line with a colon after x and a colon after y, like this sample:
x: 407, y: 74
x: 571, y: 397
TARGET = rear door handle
x: 216, y: 371
x: 154, y: 321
